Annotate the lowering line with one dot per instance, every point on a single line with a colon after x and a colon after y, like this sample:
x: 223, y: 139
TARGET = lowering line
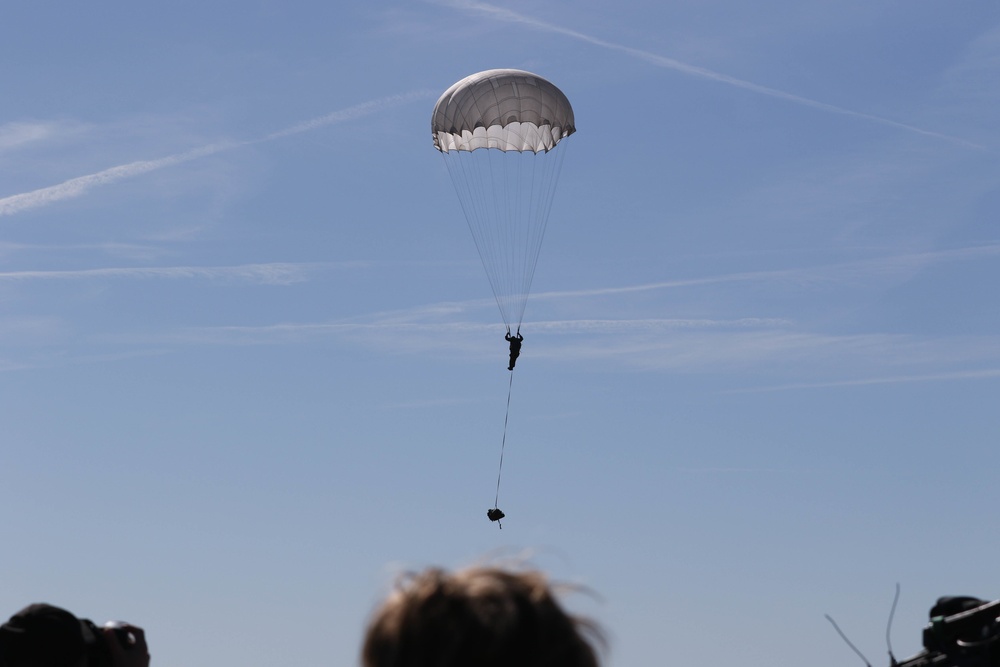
x: 495, y: 512
x: 503, y: 442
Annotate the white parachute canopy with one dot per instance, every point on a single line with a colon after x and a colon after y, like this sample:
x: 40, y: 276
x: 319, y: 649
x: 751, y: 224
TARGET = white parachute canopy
x: 498, y: 131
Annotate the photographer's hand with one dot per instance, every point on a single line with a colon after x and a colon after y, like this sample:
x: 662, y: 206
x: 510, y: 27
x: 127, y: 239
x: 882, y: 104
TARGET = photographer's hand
x: 127, y: 654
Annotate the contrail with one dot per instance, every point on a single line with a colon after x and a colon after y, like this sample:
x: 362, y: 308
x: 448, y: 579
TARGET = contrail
x: 693, y: 70
x: 351, y: 113
x: 76, y: 187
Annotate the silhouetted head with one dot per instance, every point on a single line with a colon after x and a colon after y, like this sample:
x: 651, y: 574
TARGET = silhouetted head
x: 41, y: 635
x: 481, y: 617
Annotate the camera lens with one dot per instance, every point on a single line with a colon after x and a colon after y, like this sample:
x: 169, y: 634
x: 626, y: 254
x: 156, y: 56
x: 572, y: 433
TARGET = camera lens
x: 123, y: 632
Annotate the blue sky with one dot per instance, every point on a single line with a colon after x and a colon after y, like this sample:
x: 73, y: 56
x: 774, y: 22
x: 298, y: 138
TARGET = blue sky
x: 250, y: 364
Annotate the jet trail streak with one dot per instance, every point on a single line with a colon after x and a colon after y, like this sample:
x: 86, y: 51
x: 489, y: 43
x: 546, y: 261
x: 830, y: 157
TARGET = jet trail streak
x: 76, y: 187
x: 693, y: 70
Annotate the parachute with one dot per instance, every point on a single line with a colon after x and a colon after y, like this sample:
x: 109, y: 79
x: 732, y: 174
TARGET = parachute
x: 498, y: 131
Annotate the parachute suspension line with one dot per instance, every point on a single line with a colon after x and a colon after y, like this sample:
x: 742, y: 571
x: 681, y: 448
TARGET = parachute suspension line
x: 543, y: 189
x: 473, y: 202
x: 530, y: 215
x: 508, y: 171
x: 506, y: 203
x: 511, y: 208
x: 504, y: 441
x: 500, y: 232
x: 488, y: 230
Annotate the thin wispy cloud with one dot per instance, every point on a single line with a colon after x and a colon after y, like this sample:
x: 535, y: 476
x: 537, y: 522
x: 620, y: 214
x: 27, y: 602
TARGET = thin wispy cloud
x: 61, y: 359
x: 27, y: 329
x: 503, y: 14
x: 953, y: 376
x: 17, y: 135
x: 13, y: 135
x: 111, y: 248
x: 286, y: 331
x: 446, y: 313
x: 785, y: 348
x: 837, y: 272
x: 739, y: 348
x: 76, y: 187
x: 434, y: 314
x: 296, y: 332
x: 268, y: 274
x: 653, y: 325
x: 747, y: 348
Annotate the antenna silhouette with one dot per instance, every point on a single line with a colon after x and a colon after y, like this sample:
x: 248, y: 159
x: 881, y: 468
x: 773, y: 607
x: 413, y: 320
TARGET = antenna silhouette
x: 888, y: 628
x: 888, y: 631
x: 844, y: 637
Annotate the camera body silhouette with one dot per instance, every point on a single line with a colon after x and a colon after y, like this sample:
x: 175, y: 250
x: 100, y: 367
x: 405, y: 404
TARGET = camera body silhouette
x: 963, y: 632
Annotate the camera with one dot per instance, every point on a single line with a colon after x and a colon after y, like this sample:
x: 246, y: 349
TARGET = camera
x: 42, y: 634
x: 95, y: 641
x: 963, y: 632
